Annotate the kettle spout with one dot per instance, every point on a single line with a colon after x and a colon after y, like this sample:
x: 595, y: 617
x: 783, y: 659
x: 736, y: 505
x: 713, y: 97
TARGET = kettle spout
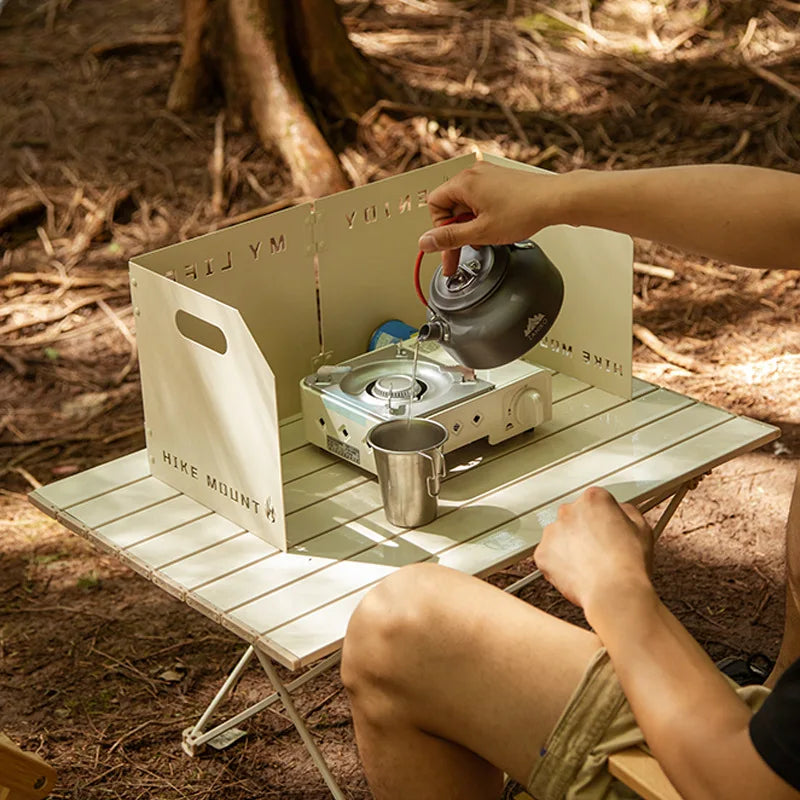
x: 434, y: 331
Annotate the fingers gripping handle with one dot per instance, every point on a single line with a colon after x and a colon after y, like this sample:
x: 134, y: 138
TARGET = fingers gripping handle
x: 418, y: 264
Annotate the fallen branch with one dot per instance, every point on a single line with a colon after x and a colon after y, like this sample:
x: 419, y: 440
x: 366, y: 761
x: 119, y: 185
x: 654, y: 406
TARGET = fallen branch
x: 444, y: 112
x: 97, y: 218
x: 653, y: 271
x: 702, y: 615
x: 17, y: 364
x: 115, y: 437
x: 58, y: 334
x: 515, y: 124
x: 102, y: 775
x: 217, y: 165
x: 741, y: 143
x: 129, y: 338
x: 22, y: 208
x: 649, y: 339
x: 254, y: 184
x: 765, y: 598
x: 69, y: 281
x: 285, y: 202
x: 429, y: 111
x: 135, y: 42
x: 589, y: 32
x: 68, y: 609
x: 775, y: 80
x: 128, y: 734
x: 55, y: 316
x: 713, y: 272
x: 28, y: 477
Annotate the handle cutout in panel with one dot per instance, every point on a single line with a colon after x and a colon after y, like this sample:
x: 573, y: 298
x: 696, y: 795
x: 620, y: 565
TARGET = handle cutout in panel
x: 201, y: 332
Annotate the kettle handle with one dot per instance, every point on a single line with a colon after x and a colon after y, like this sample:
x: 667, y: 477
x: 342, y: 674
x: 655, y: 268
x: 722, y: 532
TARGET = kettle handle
x: 466, y: 217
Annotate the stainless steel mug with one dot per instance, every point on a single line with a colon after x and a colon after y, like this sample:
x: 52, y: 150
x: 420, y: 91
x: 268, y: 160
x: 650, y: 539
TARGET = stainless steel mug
x: 410, y: 465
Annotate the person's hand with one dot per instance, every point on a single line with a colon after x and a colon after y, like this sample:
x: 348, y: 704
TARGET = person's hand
x: 509, y: 205
x: 595, y: 546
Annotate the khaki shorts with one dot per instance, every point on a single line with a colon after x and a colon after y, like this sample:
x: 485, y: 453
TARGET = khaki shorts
x: 596, y: 723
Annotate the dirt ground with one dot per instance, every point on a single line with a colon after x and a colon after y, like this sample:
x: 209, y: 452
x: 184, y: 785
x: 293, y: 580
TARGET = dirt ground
x: 100, y: 670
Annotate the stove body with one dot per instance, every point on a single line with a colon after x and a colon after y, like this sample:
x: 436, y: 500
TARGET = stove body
x: 342, y: 403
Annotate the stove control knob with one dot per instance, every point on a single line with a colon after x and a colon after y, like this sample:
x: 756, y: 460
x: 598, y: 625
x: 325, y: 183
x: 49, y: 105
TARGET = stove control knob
x: 528, y: 409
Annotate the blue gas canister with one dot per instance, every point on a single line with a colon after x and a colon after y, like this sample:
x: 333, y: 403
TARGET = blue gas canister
x: 390, y: 332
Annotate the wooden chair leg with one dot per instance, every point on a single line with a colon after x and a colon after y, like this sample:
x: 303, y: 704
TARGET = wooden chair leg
x: 23, y: 776
x: 642, y: 773
x: 637, y: 770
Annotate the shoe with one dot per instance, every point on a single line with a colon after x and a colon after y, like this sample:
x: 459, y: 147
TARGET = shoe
x: 746, y: 671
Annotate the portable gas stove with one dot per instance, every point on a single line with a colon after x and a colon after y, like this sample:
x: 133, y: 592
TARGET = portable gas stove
x: 342, y: 403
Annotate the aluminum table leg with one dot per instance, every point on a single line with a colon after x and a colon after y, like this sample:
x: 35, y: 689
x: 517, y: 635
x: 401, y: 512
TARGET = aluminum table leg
x: 195, y: 737
x: 310, y: 744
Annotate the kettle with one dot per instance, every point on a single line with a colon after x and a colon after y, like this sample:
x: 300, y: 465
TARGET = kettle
x: 500, y: 302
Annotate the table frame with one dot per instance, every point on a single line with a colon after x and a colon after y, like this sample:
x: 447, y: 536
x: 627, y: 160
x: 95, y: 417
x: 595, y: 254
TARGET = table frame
x: 292, y: 608
x: 195, y: 737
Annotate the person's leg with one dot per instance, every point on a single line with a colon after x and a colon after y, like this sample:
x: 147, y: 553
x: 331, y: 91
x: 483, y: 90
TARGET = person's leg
x: 453, y: 681
x: 790, y: 645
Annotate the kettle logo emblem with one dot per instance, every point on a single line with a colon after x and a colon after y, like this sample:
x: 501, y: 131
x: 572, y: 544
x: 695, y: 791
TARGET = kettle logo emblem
x: 535, y: 324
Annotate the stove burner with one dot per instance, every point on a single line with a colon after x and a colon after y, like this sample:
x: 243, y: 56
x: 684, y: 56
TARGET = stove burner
x: 395, y: 387
x: 379, y: 384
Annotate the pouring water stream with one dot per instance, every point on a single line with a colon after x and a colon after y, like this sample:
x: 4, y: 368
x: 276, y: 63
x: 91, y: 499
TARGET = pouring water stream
x: 412, y: 396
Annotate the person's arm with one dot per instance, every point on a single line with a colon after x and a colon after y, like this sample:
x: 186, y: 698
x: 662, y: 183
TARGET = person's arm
x: 693, y: 721
x: 743, y: 215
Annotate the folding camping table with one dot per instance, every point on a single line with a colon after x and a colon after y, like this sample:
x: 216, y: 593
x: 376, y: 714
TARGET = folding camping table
x: 293, y: 607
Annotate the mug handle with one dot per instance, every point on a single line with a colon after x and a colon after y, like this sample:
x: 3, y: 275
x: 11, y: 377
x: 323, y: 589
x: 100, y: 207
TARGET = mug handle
x: 434, y: 479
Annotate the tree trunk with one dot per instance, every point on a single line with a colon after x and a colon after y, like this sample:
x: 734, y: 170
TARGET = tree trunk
x: 329, y: 62
x: 268, y: 56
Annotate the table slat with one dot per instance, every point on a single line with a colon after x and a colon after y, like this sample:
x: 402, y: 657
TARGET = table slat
x: 121, y: 502
x: 489, y: 510
x: 492, y: 509
x: 308, y: 637
x: 219, y: 560
x: 304, y: 461
x: 156, y: 519
x: 95, y: 481
x: 675, y: 465
x: 309, y: 490
x: 184, y: 541
x: 343, y: 508
x: 292, y: 433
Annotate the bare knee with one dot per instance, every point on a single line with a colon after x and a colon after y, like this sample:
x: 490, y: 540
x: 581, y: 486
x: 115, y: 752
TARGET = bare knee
x: 390, y: 630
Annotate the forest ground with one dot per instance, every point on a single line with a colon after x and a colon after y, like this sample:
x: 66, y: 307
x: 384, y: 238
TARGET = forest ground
x: 99, y: 669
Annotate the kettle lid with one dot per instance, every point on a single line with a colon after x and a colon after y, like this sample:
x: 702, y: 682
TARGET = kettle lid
x: 479, y: 273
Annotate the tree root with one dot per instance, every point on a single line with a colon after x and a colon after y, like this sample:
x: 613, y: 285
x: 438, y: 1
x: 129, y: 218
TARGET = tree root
x: 267, y: 55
